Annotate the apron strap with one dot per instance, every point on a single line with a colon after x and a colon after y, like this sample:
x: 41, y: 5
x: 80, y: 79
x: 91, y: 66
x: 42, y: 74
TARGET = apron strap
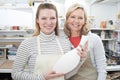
x: 38, y: 45
x: 59, y: 45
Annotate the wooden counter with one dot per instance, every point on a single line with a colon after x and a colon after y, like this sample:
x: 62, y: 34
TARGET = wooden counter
x: 6, y: 66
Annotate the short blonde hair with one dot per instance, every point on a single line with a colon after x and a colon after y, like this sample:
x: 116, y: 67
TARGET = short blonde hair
x: 71, y: 9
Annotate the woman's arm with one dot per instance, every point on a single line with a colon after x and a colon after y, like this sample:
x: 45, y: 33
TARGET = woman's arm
x: 22, y: 57
x: 99, y: 57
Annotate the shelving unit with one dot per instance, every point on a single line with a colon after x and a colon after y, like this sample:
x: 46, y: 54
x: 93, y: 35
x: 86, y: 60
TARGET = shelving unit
x: 110, y: 39
x: 12, y: 36
x: 8, y: 38
x: 106, y: 36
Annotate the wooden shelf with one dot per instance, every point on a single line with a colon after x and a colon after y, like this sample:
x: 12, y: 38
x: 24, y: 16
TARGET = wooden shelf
x: 7, y: 43
x: 6, y: 66
x: 13, y: 40
x: 13, y: 31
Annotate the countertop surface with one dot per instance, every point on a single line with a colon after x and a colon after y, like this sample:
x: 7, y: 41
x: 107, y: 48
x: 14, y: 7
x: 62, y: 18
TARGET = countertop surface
x: 6, y: 66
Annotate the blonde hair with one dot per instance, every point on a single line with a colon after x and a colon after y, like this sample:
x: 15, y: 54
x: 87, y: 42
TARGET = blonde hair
x: 71, y: 9
x: 45, y: 6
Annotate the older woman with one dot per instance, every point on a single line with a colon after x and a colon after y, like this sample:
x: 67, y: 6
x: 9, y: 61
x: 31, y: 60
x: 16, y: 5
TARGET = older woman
x: 94, y: 67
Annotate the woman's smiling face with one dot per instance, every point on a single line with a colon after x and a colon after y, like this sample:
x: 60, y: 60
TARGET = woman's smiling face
x: 76, y: 20
x: 47, y: 20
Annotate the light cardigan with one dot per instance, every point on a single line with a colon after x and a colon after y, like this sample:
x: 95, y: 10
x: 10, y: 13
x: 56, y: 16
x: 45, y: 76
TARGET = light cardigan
x: 97, y: 53
x: 27, y: 52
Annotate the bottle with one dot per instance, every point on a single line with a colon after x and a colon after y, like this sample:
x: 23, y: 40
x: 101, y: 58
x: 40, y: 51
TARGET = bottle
x: 30, y: 3
x: 103, y: 34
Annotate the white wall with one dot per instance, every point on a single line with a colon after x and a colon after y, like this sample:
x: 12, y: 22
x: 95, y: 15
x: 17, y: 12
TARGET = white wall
x: 103, y: 12
x: 100, y: 11
x: 83, y: 2
x: 15, y: 18
x: 118, y: 5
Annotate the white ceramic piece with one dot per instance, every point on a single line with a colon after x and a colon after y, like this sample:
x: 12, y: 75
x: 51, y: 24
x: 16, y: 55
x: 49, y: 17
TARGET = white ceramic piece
x: 70, y: 60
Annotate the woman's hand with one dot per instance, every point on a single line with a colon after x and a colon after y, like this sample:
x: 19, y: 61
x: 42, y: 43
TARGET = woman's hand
x: 52, y: 74
x: 83, y: 51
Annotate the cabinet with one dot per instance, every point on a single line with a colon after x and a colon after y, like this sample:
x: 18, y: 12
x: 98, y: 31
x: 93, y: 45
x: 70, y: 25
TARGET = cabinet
x: 117, y: 45
x: 14, y: 15
x: 111, y: 42
x: 9, y: 42
x: 106, y: 36
x: 117, y: 39
x: 11, y: 36
x: 110, y: 39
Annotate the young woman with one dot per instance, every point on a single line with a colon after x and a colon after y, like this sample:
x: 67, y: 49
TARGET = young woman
x: 39, y: 53
x: 94, y: 67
